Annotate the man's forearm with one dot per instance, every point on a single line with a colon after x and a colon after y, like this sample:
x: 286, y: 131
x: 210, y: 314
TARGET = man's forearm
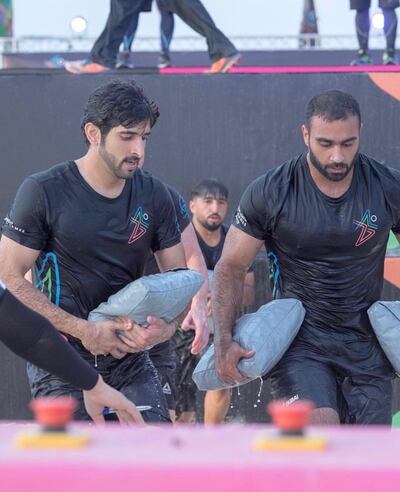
x: 199, y: 301
x: 36, y: 300
x: 195, y: 261
x: 227, y: 295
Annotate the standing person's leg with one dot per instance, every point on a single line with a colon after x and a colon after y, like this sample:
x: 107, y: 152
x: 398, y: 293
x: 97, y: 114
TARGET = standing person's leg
x: 186, y: 390
x: 131, y: 32
x: 367, y: 384
x: 362, y: 23
x: 167, y: 25
x: 390, y: 27
x: 216, y: 406
x: 124, y: 58
x: 104, y: 52
x: 221, y: 51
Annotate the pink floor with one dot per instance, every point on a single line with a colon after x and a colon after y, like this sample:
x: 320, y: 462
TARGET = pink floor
x: 201, y: 460
x: 291, y: 69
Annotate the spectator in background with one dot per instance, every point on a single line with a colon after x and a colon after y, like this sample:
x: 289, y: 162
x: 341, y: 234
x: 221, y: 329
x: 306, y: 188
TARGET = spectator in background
x: 103, y: 55
x: 209, y: 206
x: 363, y: 27
x: 166, y: 32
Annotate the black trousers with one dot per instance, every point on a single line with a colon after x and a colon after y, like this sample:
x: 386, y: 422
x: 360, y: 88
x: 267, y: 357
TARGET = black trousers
x: 106, y: 47
x: 193, y: 13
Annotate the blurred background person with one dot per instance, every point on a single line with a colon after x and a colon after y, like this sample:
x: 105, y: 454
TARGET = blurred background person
x: 363, y: 25
x: 209, y: 206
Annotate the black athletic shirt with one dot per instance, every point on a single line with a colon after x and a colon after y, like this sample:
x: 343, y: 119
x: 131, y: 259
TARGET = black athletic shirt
x: 327, y: 252
x: 212, y: 253
x: 182, y: 215
x: 32, y: 337
x: 90, y: 246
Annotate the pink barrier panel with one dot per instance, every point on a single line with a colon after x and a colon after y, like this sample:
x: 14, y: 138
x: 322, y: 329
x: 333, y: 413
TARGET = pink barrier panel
x: 201, y: 460
x: 290, y: 69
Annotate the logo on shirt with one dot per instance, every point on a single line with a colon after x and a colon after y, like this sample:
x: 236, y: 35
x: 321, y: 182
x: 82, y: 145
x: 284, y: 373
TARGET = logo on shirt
x: 367, y: 226
x: 140, y: 225
x: 240, y: 218
x: 9, y: 223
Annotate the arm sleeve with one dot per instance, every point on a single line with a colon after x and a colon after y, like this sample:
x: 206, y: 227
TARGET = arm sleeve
x: 32, y: 337
x: 181, y: 209
x: 251, y: 215
x: 167, y: 233
x: 26, y: 222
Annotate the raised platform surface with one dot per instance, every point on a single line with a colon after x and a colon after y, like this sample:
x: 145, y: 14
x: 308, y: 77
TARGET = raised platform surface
x: 201, y: 460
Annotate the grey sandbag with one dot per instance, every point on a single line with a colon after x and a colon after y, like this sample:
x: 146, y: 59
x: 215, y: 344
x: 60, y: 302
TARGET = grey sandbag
x: 269, y: 332
x: 385, y: 320
x: 164, y: 295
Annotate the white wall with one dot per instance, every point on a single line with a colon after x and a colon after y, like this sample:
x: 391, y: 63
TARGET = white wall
x: 234, y: 17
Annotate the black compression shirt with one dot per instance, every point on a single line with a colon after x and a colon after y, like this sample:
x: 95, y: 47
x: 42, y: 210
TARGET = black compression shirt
x: 182, y: 215
x: 32, y: 337
x: 327, y: 252
x: 212, y: 253
x: 90, y: 246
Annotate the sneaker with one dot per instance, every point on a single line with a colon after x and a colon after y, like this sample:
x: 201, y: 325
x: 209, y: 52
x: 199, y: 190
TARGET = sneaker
x: 84, y: 66
x: 224, y: 64
x: 389, y: 58
x: 55, y: 61
x: 363, y: 58
x: 164, y: 61
x: 124, y: 60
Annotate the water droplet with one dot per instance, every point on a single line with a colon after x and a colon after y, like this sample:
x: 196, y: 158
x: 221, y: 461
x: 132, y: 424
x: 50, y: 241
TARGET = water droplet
x: 95, y: 361
x: 261, y: 385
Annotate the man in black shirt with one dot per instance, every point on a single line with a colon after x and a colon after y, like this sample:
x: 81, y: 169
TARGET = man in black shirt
x: 209, y: 206
x: 325, y: 218
x: 88, y: 226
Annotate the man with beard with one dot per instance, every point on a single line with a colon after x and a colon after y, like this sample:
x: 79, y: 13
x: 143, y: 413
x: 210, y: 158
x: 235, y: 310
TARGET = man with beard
x: 87, y: 226
x: 208, y: 205
x: 325, y: 218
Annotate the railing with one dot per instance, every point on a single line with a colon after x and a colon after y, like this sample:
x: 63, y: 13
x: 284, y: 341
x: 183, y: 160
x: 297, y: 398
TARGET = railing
x: 303, y: 41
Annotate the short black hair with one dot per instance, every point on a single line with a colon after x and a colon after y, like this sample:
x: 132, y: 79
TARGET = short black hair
x: 331, y: 106
x: 119, y: 102
x: 210, y: 187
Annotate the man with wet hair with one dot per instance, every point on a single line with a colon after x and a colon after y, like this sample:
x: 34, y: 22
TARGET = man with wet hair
x: 325, y: 217
x: 209, y: 206
x: 87, y: 227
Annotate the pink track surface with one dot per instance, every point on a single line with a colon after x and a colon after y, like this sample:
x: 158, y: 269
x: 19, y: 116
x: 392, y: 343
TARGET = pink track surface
x: 291, y: 69
x: 186, y: 459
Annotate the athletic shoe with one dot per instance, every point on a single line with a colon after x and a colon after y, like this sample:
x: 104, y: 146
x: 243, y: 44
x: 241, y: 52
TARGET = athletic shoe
x: 224, y: 64
x: 164, y: 61
x: 84, y: 66
x: 124, y: 60
x: 363, y: 58
x: 389, y: 58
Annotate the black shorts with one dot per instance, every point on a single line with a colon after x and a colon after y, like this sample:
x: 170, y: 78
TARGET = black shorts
x: 366, y: 4
x: 134, y: 375
x: 164, y: 359
x: 352, y: 377
x: 186, y: 362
